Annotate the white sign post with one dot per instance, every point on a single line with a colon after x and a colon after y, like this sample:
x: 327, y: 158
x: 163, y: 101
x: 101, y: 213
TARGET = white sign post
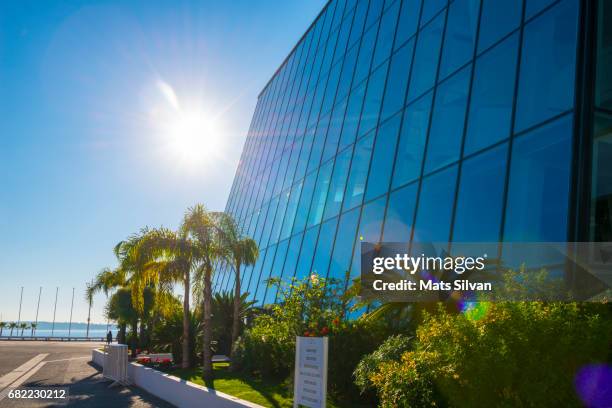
x: 310, y: 383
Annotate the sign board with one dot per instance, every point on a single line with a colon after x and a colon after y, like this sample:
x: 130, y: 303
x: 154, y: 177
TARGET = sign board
x: 310, y: 383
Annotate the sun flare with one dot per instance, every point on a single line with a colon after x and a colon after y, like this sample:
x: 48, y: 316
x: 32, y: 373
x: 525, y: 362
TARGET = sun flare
x: 190, y: 135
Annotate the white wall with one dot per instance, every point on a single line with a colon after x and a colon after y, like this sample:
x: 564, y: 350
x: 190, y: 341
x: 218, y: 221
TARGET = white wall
x: 176, y: 391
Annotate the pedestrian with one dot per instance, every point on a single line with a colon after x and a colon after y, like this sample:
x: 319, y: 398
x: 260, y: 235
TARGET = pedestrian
x: 109, y: 337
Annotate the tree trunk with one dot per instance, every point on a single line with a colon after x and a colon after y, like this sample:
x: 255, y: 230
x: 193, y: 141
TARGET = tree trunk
x: 236, y: 317
x: 186, y: 322
x: 207, y: 369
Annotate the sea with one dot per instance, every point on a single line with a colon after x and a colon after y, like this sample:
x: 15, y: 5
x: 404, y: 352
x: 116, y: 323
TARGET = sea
x: 64, y: 329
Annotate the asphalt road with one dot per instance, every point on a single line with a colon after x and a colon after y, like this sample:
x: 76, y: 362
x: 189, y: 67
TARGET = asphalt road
x: 61, y: 364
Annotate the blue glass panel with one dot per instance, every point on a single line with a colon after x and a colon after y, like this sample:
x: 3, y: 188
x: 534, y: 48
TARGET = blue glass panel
x: 430, y: 8
x: 324, y: 247
x: 535, y: 6
x: 347, y: 73
x: 359, y: 172
x: 538, y: 192
x: 400, y: 214
x: 291, y: 259
x: 318, y: 143
x: 320, y: 194
x: 343, y: 248
x: 275, y: 272
x: 481, y: 193
x: 332, y: 85
x: 365, y: 54
x: 253, y: 278
x: 351, y: 118
x: 358, y: 22
x: 492, y: 94
x: 447, y: 121
x: 302, y: 164
x: 399, y: 71
x: 460, y: 36
x: 292, y: 207
x: 264, y: 274
x: 343, y: 37
x: 408, y: 20
x: 426, y: 57
x: 306, y: 253
x: 338, y: 183
x: 386, y: 33
x: 412, y: 141
x: 376, y: 8
x: 333, y: 133
x: 435, y: 207
x: 547, y: 65
x: 498, y: 18
x: 302, y: 213
x: 373, y: 100
x: 371, y: 220
x: 382, y: 159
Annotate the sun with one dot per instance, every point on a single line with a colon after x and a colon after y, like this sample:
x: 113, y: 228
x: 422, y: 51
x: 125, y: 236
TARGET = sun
x: 192, y: 137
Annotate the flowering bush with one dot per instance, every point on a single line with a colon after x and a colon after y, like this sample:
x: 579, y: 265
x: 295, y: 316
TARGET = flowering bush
x: 310, y: 307
x: 498, y: 354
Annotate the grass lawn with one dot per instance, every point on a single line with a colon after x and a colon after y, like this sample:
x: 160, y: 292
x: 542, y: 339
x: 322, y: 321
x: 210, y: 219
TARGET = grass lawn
x: 268, y: 393
x: 263, y: 392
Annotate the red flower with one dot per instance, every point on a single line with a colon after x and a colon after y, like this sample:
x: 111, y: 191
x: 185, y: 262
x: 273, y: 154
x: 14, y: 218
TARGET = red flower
x: 336, y: 321
x: 324, y: 330
x: 306, y: 333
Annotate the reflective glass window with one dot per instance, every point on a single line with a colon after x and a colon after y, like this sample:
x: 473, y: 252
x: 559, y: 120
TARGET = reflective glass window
x: 386, y: 33
x: 447, y: 121
x: 399, y: 71
x: 275, y: 272
x: 538, y: 192
x: 400, y: 214
x: 480, y: 199
x: 320, y: 194
x: 547, y: 65
x: 308, y: 246
x: 430, y: 8
x: 365, y: 54
x: 351, y: 118
x: 382, y: 158
x: 492, y: 94
x: 426, y: 57
x: 371, y: 220
x: 408, y: 20
x: 435, y: 207
x: 324, y: 247
x: 333, y: 133
x: 359, y: 172
x: 412, y: 141
x: 373, y: 100
x: 499, y: 17
x: 343, y: 247
x: 338, y: 183
x: 301, y: 215
x: 460, y: 36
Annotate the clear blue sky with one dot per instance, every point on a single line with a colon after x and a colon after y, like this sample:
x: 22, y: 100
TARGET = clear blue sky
x: 88, y: 90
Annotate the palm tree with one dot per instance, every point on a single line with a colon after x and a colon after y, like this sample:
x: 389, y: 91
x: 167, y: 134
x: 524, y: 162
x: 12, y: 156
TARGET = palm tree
x: 242, y: 251
x: 170, y: 257
x: 12, y: 325
x: 207, y: 228
x: 2, y: 326
x: 23, y: 326
x: 33, y: 326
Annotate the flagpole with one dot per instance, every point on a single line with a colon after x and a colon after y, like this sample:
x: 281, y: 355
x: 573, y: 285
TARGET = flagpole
x: 71, y: 306
x: 37, y: 309
x: 54, y: 310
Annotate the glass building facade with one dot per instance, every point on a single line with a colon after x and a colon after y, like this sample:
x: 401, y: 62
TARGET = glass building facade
x: 428, y: 120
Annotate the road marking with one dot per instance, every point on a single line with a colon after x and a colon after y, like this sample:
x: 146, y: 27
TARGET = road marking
x: 66, y: 359
x: 21, y: 380
x: 9, y: 378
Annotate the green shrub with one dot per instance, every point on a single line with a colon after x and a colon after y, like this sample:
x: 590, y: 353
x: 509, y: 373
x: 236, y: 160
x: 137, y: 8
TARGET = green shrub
x: 390, y: 350
x: 498, y: 354
x: 310, y: 307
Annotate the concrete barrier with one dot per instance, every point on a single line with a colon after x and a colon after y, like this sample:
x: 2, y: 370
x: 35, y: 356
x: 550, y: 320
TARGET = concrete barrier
x: 176, y: 391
